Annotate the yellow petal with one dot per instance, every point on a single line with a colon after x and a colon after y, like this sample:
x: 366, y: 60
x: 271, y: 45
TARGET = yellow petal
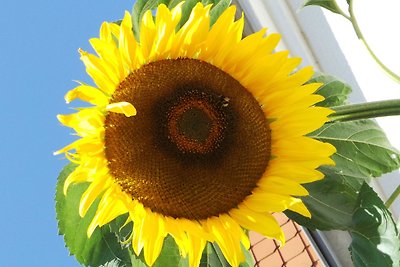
x: 228, y: 235
x: 92, y: 192
x: 298, y: 171
x: 85, y: 144
x: 215, y: 48
x: 175, y: 229
x: 109, y: 208
x: 261, y: 201
x: 154, y: 229
x: 232, y: 36
x: 99, y: 71
x: 300, y: 208
x: 165, y: 32
x: 128, y: 46
x: 192, y: 33
x: 263, y: 223
x: 87, y: 171
x: 115, y: 31
x: 196, y: 247
x: 74, y: 177
x: 288, y: 67
x: 259, y: 75
x: 105, y: 32
x: 300, y: 123
x: 138, y: 214
x: 282, y: 102
x: 87, y: 93
x: 86, y: 122
x: 111, y: 59
x: 281, y: 185
x: 123, y: 108
x: 298, y: 78
x: 270, y: 42
x: 245, y: 51
x: 147, y: 34
x: 302, y: 148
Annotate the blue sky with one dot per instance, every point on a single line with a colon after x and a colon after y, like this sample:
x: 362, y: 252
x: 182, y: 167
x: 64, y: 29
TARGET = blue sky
x: 38, y: 63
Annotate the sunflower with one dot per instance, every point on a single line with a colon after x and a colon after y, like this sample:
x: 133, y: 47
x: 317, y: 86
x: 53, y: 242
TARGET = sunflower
x: 194, y: 132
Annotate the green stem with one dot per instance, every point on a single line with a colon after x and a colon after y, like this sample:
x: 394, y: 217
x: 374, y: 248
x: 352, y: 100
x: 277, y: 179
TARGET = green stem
x: 360, y: 36
x: 393, y: 197
x: 366, y: 110
x: 340, y: 11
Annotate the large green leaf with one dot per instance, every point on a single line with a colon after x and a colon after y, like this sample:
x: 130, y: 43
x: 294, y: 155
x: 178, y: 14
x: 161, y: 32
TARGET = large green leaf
x: 374, y: 233
x: 103, y: 248
x: 328, y: 4
x: 331, y: 202
x: 363, y: 152
x: 362, y: 147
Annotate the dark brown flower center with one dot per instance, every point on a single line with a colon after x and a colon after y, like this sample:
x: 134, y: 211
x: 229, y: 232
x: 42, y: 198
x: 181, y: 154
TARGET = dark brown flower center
x: 198, y: 144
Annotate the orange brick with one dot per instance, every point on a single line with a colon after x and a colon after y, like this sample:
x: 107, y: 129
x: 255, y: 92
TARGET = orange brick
x: 273, y: 260
x: 296, y: 253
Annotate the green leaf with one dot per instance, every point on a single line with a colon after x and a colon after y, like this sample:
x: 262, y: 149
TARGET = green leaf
x: 328, y: 4
x: 213, y: 256
x: 374, y: 233
x: 103, y: 248
x: 141, y: 6
x: 249, y: 262
x: 335, y: 91
x: 170, y: 255
x: 186, y: 10
x: 218, y: 7
x: 331, y: 202
x: 362, y: 147
x: 363, y: 152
